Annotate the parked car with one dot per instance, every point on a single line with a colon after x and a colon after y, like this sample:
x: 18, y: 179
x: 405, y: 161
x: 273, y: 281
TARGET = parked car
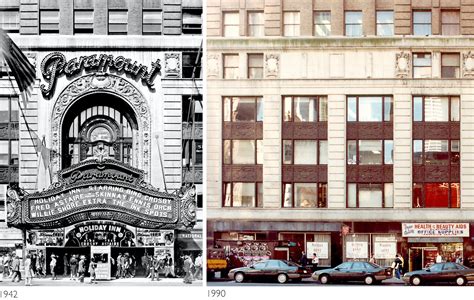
x: 446, y: 272
x: 367, y: 272
x: 281, y: 270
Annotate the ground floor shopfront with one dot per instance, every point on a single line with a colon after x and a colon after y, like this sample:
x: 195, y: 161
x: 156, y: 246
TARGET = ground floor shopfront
x: 336, y: 242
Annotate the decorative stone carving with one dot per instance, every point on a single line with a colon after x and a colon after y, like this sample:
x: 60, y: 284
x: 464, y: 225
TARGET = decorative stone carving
x: 172, y: 65
x: 272, y: 65
x: 468, y: 64
x: 212, y: 65
x: 103, y: 83
x: 403, y: 64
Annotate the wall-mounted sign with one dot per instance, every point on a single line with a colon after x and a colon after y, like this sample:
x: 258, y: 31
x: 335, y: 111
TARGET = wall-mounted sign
x: 100, y: 234
x: 357, y: 250
x: 320, y: 248
x: 55, y: 65
x: 435, y: 229
x: 147, y: 237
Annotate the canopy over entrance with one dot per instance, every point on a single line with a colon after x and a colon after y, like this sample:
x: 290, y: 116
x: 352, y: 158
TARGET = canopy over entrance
x: 101, y: 189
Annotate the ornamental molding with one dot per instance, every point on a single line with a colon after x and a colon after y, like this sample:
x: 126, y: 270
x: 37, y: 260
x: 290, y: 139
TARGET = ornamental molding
x: 403, y: 64
x: 104, y: 83
x: 272, y: 65
x: 213, y: 65
x: 172, y: 65
x: 468, y: 64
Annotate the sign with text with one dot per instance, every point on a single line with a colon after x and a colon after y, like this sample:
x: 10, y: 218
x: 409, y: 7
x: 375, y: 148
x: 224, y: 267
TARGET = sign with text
x: 357, y: 250
x: 101, y: 255
x: 321, y: 249
x: 384, y: 250
x: 435, y: 229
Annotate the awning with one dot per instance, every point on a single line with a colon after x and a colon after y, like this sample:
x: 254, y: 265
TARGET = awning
x: 189, y: 244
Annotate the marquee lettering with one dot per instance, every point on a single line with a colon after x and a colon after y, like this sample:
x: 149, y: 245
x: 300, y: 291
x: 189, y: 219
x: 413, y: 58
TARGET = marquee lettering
x: 55, y: 65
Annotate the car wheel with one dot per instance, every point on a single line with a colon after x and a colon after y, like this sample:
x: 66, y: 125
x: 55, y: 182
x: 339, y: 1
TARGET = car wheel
x: 324, y: 279
x: 239, y: 277
x: 369, y: 280
x: 415, y: 280
x: 282, y: 278
x: 460, y: 280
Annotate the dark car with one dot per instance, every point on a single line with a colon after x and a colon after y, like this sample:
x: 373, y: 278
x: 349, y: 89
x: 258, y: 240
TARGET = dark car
x: 281, y: 270
x: 446, y: 272
x: 366, y: 272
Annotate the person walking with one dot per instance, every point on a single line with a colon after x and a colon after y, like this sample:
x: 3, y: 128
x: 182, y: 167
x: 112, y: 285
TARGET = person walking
x: 170, y: 265
x: 82, y: 268
x: 145, y: 262
x: 92, y: 268
x: 34, y: 257
x: 6, y: 266
x: 16, y: 269
x: 314, y: 262
x: 52, y: 266
x: 396, y: 266
x: 41, y: 264
x: 65, y: 264
x: 198, y: 267
x: 1, y: 267
x: 372, y: 258
x: 402, y: 264
x: 28, y: 270
x: 118, y: 273
x: 303, y: 259
x: 187, y: 265
x: 73, y: 265
x: 152, y: 267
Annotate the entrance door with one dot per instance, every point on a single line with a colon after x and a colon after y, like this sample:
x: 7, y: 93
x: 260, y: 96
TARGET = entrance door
x: 134, y: 255
x: 63, y: 253
x: 421, y: 257
x: 281, y: 253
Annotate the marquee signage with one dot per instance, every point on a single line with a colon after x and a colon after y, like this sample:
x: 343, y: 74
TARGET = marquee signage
x: 435, y: 229
x: 103, y: 189
x: 54, y: 65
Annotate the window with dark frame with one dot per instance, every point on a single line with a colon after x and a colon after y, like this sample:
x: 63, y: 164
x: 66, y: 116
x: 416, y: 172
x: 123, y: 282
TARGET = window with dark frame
x: 230, y: 24
x: 422, y: 65
x: 255, y: 66
x: 450, y: 65
x: 255, y: 24
x: 305, y: 109
x: 369, y: 152
x: 436, y: 195
x: 450, y: 22
x: 243, y: 109
x: 192, y: 64
x: 291, y: 23
x: 83, y: 21
x: 10, y: 19
x: 384, y: 23
x: 242, y: 194
x: 231, y: 66
x: 304, y: 195
x: 422, y: 23
x: 118, y: 22
x: 322, y: 23
x: 436, y: 109
x: 152, y: 22
x: 353, y: 23
x: 370, y: 195
x: 369, y: 108
x: 305, y: 152
x: 192, y: 20
x: 9, y: 144
x: 49, y: 21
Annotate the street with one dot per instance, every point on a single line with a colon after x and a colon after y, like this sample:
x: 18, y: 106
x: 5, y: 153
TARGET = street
x: 115, y: 282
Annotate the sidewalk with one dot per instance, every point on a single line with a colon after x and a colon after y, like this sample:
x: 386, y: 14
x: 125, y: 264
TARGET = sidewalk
x: 393, y: 280
x: 115, y: 282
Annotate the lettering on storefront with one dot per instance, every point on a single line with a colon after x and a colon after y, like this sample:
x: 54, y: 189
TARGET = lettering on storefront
x: 357, y: 250
x: 93, y: 175
x: 55, y: 65
x: 320, y: 248
x: 435, y: 229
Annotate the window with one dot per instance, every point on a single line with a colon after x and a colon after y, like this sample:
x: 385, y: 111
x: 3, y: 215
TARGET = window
x: 436, y: 152
x: 305, y: 109
x: 256, y: 24
x: 118, y: 20
x: 450, y: 65
x: 353, y: 21
x: 49, y: 21
x: 192, y: 20
x: 436, y: 109
x: 231, y: 66
x: 231, y: 24
x: 369, y: 109
x: 243, y: 152
x: 83, y: 21
x: 322, y: 23
x: 192, y: 65
x: 384, y: 23
x: 9, y: 152
x: 305, y: 195
x: 255, y: 66
x: 369, y: 152
x: 369, y: 195
x: 152, y: 20
x: 240, y: 194
x: 450, y: 22
x: 421, y: 65
x: 421, y: 23
x: 243, y: 109
x: 189, y: 104
x: 436, y: 194
x: 305, y: 152
x: 10, y: 20
x: 8, y: 109
x: 291, y: 23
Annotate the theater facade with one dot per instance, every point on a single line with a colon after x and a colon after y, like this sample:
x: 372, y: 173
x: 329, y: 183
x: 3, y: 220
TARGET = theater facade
x: 104, y: 157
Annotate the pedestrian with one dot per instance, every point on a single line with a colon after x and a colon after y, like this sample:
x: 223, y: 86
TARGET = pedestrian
x: 82, y: 268
x: 315, y: 262
x: 28, y: 270
x: 34, y: 257
x: 145, y: 262
x: 152, y: 267
x: 439, y: 258
x: 458, y: 259
x: 52, y: 266
x: 402, y: 264
x: 118, y: 273
x: 1, y: 267
x: 15, y: 265
x: 372, y: 258
x: 170, y: 265
x: 65, y: 264
x: 198, y: 266
x: 303, y: 259
x: 41, y: 264
x: 6, y: 265
x: 73, y: 264
x: 126, y: 265
x: 396, y: 266
x: 187, y: 265
x: 92, y: 268
x: 133, y: 266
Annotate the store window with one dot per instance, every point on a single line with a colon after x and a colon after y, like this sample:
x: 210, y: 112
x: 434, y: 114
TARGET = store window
x: 231, y: 24
x: 256, y: 24
x: 369, y: 152
x: 305, y: 109
x: 422, y: 23
x: 192, y: 20
x: 291, y: 23
x: 152, y: 22
x: 49, y: 21
x: 255, y: 66
x: 10, y: 19
x: 241, y: 194
x: 353, y: 23
x: 385, y: 23
x: 436, y: 109
x: 450, y: 22
x: 421, y: 65
x: 243, y: 109
x: 192, y: 65
x: 369, y: 109
x: 436, y: 195
x: 305, y: 195
x: 450, y: 65
x: 118, y: 20
x: 370, y: 195
x: 322, y: 23
x: 231, y: 66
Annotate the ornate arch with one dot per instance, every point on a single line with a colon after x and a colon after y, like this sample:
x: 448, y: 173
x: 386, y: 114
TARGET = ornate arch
x: 104, y: 83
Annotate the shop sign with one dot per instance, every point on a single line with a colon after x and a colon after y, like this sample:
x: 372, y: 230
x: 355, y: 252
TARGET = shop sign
x: 194, y: 236
x: 320, y: 248
x: 55, y: 65
x: 435, y: 229
x: 357, y: 250
x: 101, y: 257
x: 147, y: 237
x: 384, y: 250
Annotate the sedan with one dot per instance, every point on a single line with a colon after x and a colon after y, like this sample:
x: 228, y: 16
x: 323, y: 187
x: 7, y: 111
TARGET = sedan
x: 281, y: 270
x: 446, y: 272
x: 366, y: 272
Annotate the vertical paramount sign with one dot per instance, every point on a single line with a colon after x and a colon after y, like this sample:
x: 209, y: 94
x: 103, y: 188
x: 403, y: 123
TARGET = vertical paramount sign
x: 54, y: 65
